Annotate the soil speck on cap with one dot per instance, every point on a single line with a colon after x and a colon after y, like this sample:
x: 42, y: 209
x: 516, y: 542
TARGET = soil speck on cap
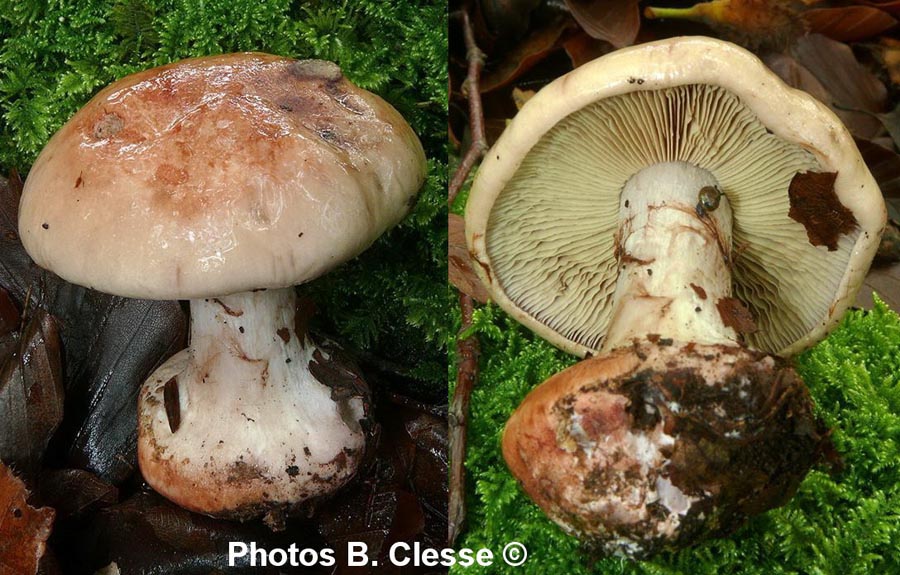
x: 315, y: 69
x: 815, y: 205
x: 108, y: 125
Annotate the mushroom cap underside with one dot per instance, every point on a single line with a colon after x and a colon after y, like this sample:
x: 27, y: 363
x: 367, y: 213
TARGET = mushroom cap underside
x: 542, y: 215
x: 218, y: 175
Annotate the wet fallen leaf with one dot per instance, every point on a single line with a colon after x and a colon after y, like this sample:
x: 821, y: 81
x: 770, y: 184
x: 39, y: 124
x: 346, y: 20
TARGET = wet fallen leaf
x: 527, y: 53
x: 889, y: 6
x: 889, y: 248
x: 9, y: 314
x: 615, y: 21
x: 849, y: 83
x: 404, y: 493
x: 849, y: 23
x: 891, y: 122
x: 507, y: 20
x: 76, y: 492
x: 430, y: 465
x: 885, y: 167
x: 582, y: 48
x: 31, y: 394
x: 885, y: 281
x: 149, y: 535
x: 23, y: 529
x: 797, y: 76
x: 459, y: 269
x: 111, y: 345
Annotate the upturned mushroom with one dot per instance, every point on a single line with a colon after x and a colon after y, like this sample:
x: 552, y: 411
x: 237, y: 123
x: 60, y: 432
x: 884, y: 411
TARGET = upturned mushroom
x: 227, y: 180
x: 678, y: 212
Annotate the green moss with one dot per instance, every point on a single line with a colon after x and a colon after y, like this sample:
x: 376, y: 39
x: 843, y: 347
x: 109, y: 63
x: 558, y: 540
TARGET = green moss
x: 846, y: 523
x: 56, y: 55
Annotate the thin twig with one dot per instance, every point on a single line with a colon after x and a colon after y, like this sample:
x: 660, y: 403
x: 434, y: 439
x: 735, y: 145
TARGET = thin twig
x: 471, y: 88
x: 467, y: 349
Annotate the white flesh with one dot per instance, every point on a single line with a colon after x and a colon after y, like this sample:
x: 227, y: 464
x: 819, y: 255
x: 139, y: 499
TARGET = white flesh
x: 665, y: 247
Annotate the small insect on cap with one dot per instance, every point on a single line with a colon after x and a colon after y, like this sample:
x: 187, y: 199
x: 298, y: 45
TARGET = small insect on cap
x: 218, y: 175
x: 543, y: 211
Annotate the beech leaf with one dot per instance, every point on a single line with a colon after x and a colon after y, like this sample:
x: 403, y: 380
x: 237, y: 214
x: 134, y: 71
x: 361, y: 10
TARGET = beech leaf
x: 149, y: 535
x: 616, y: 21
x: 23, y: 529
x: 889, y: 6
x: 885, y: 281
x: 846, y: 80
x: 521, y: 58
x: 849, y: 23
x: 582, y: 48
x: 885, y: 167
x: 76, y: 492
x: 507, y: 20
x: 31, y: 394
x: 111, y: 345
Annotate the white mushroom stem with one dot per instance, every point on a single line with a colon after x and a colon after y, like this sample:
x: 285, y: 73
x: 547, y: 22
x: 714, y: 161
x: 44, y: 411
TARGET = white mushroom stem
x: 244, y: 425
x: 673, y: 259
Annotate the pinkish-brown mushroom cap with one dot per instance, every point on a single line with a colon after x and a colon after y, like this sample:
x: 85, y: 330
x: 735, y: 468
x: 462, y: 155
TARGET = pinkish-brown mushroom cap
x: 218, y: 175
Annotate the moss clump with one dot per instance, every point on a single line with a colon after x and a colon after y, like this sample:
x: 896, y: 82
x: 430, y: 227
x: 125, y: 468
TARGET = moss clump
x: 841, y: 523
x: 56, y: 55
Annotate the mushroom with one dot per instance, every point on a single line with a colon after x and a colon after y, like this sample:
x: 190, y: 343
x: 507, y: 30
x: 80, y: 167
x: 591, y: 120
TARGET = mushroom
x: 678, y: 212
x: 227, y: 180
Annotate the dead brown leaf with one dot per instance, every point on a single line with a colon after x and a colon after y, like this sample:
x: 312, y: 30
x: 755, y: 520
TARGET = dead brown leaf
x: 848, y: 82
x: 889, y: 248
x: 890, y: 6
x: 890, y: 55
x: 23, y: 529
x: 797, y: 76
x: 883, y: 281
x: 849, y: 23
x: 460, y: 271
x: 31, y: 393
x: 582, y: 48
x: 506, y: 20
x: 9, y: 314
x: 615, y: 21
x: 816, y: 206
x: 531, y: 50
x: 885, y: 167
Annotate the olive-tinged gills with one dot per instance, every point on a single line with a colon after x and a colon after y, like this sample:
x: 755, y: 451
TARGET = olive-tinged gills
x: 679, y: 214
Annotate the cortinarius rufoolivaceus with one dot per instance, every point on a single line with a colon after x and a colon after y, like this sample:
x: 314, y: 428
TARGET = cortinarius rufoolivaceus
x: 227, y: 180
x: 678, y: 212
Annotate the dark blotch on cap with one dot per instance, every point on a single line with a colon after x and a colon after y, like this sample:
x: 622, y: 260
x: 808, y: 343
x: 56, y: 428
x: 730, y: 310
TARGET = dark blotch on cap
x: 315, y: 69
